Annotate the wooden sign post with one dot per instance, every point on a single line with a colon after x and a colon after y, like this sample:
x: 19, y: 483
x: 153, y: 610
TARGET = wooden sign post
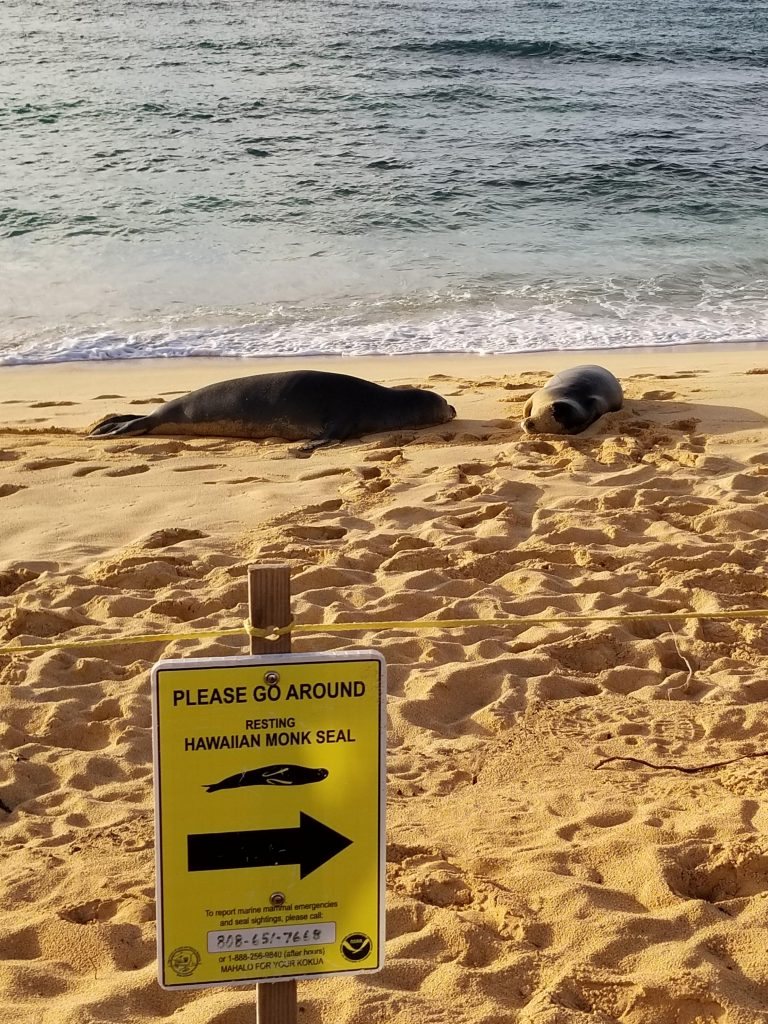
x: 320, y: 806
x: 269, y: 604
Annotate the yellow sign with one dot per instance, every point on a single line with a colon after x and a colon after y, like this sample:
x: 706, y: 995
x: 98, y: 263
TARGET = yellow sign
x: 269, y: 797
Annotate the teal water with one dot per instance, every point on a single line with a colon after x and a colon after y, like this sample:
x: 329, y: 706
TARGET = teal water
x: 231, y: 177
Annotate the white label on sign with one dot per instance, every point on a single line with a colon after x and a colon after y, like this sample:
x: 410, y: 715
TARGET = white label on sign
x: 271, y: 938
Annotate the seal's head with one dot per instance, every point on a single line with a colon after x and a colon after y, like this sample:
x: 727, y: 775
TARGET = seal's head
x: 425, y: 408
x: 546, y: 414
x: 437, y: 409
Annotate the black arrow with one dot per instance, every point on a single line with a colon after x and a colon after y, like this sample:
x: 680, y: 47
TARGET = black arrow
x: 309, y: 846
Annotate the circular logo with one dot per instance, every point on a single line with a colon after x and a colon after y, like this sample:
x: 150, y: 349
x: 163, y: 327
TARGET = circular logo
x: 357, y: 946
x: 184, y: 961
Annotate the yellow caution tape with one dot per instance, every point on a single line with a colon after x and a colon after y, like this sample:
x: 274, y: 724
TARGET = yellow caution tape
x: 274, y: 632
x: 112, y: 641
x: 507, y: 622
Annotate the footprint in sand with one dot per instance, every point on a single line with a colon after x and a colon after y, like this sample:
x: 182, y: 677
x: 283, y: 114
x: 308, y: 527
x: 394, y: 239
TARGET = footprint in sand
x: 184, y: 611
x: 752, y: 482
x: 87, y: 470
x: 540, y: 447
x: 384, y: 456
x: 687, y: 426
x: 332, y: 505
x: 368, y: 472
x: 319, y: 474
x: 718, y: 877
x: 49, y: 463
x: 163, y: 447
x: 439, y: 884
x: 657, y: 396
x: 91, y: 912
x: 467, y: 437
x: 370, y: 481
x: 473, y: 469
x: 12, y: 579
x: 124, y: 446
x: 171, y: 535
x: 681, y: 374
x: 197, y: 469
x: 237, y: 480
x: 317, y: 532
x: 6, y: 490
x: 128, y: 470
x: 460, y: 493
x: 395, y: 441
x: 46, y: 405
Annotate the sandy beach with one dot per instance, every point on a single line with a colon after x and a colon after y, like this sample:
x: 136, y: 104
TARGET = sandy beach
x: 577, y: 819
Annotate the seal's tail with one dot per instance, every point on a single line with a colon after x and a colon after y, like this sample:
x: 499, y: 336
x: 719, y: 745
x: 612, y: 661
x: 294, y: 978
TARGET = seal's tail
x: 121, y: 426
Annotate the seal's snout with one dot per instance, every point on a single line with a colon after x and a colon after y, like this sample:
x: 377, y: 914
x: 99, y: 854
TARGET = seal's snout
x: 527, y: 425
x: 452, y: 412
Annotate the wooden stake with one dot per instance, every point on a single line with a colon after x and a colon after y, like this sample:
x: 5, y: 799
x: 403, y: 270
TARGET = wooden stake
x: 269, y: 604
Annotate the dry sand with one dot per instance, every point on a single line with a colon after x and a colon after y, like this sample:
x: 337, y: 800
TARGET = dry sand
x: 577, y: 820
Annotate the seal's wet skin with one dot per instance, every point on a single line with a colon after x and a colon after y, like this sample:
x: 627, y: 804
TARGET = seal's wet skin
x: 572, y: 400
x: 299, y: 405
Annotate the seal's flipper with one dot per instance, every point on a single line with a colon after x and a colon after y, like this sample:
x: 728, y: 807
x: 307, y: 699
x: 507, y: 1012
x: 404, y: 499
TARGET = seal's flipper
x: 571, y: 415
x: 122, y: 426
x: 337, y: 432
x: 310, y: 446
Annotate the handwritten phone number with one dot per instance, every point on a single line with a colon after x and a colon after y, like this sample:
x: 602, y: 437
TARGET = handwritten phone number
x: 270, y: 938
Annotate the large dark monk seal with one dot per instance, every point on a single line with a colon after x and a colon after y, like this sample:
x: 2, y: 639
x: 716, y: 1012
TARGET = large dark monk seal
x: 323, y: 408
x: 571, y: 401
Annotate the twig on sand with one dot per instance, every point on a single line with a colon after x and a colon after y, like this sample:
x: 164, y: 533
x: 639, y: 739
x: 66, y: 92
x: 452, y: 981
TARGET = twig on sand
x: 678, y: 767
x: 683, y: 687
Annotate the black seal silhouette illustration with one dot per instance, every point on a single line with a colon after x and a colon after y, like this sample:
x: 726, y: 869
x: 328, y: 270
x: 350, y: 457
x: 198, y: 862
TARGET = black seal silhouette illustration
x: 272, y: 775
x: 356, y: 946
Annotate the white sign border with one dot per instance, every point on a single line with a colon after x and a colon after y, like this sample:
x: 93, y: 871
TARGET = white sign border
x: 244, y: 660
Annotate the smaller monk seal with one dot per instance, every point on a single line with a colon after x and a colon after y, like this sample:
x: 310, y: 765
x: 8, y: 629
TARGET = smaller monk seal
x: 571, y: 401
x: 325, y: 408
x: 271, y: 775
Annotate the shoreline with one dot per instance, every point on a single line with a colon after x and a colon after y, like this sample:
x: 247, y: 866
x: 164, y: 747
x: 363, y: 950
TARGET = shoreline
x: 754, y: 344
x: 190, y: 372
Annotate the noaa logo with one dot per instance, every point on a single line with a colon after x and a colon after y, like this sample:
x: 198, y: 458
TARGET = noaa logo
x: 184, y: 961
x: 356, y: 946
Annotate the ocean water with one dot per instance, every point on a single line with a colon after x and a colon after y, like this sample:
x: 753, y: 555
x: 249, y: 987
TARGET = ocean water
x: 286, y: 177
